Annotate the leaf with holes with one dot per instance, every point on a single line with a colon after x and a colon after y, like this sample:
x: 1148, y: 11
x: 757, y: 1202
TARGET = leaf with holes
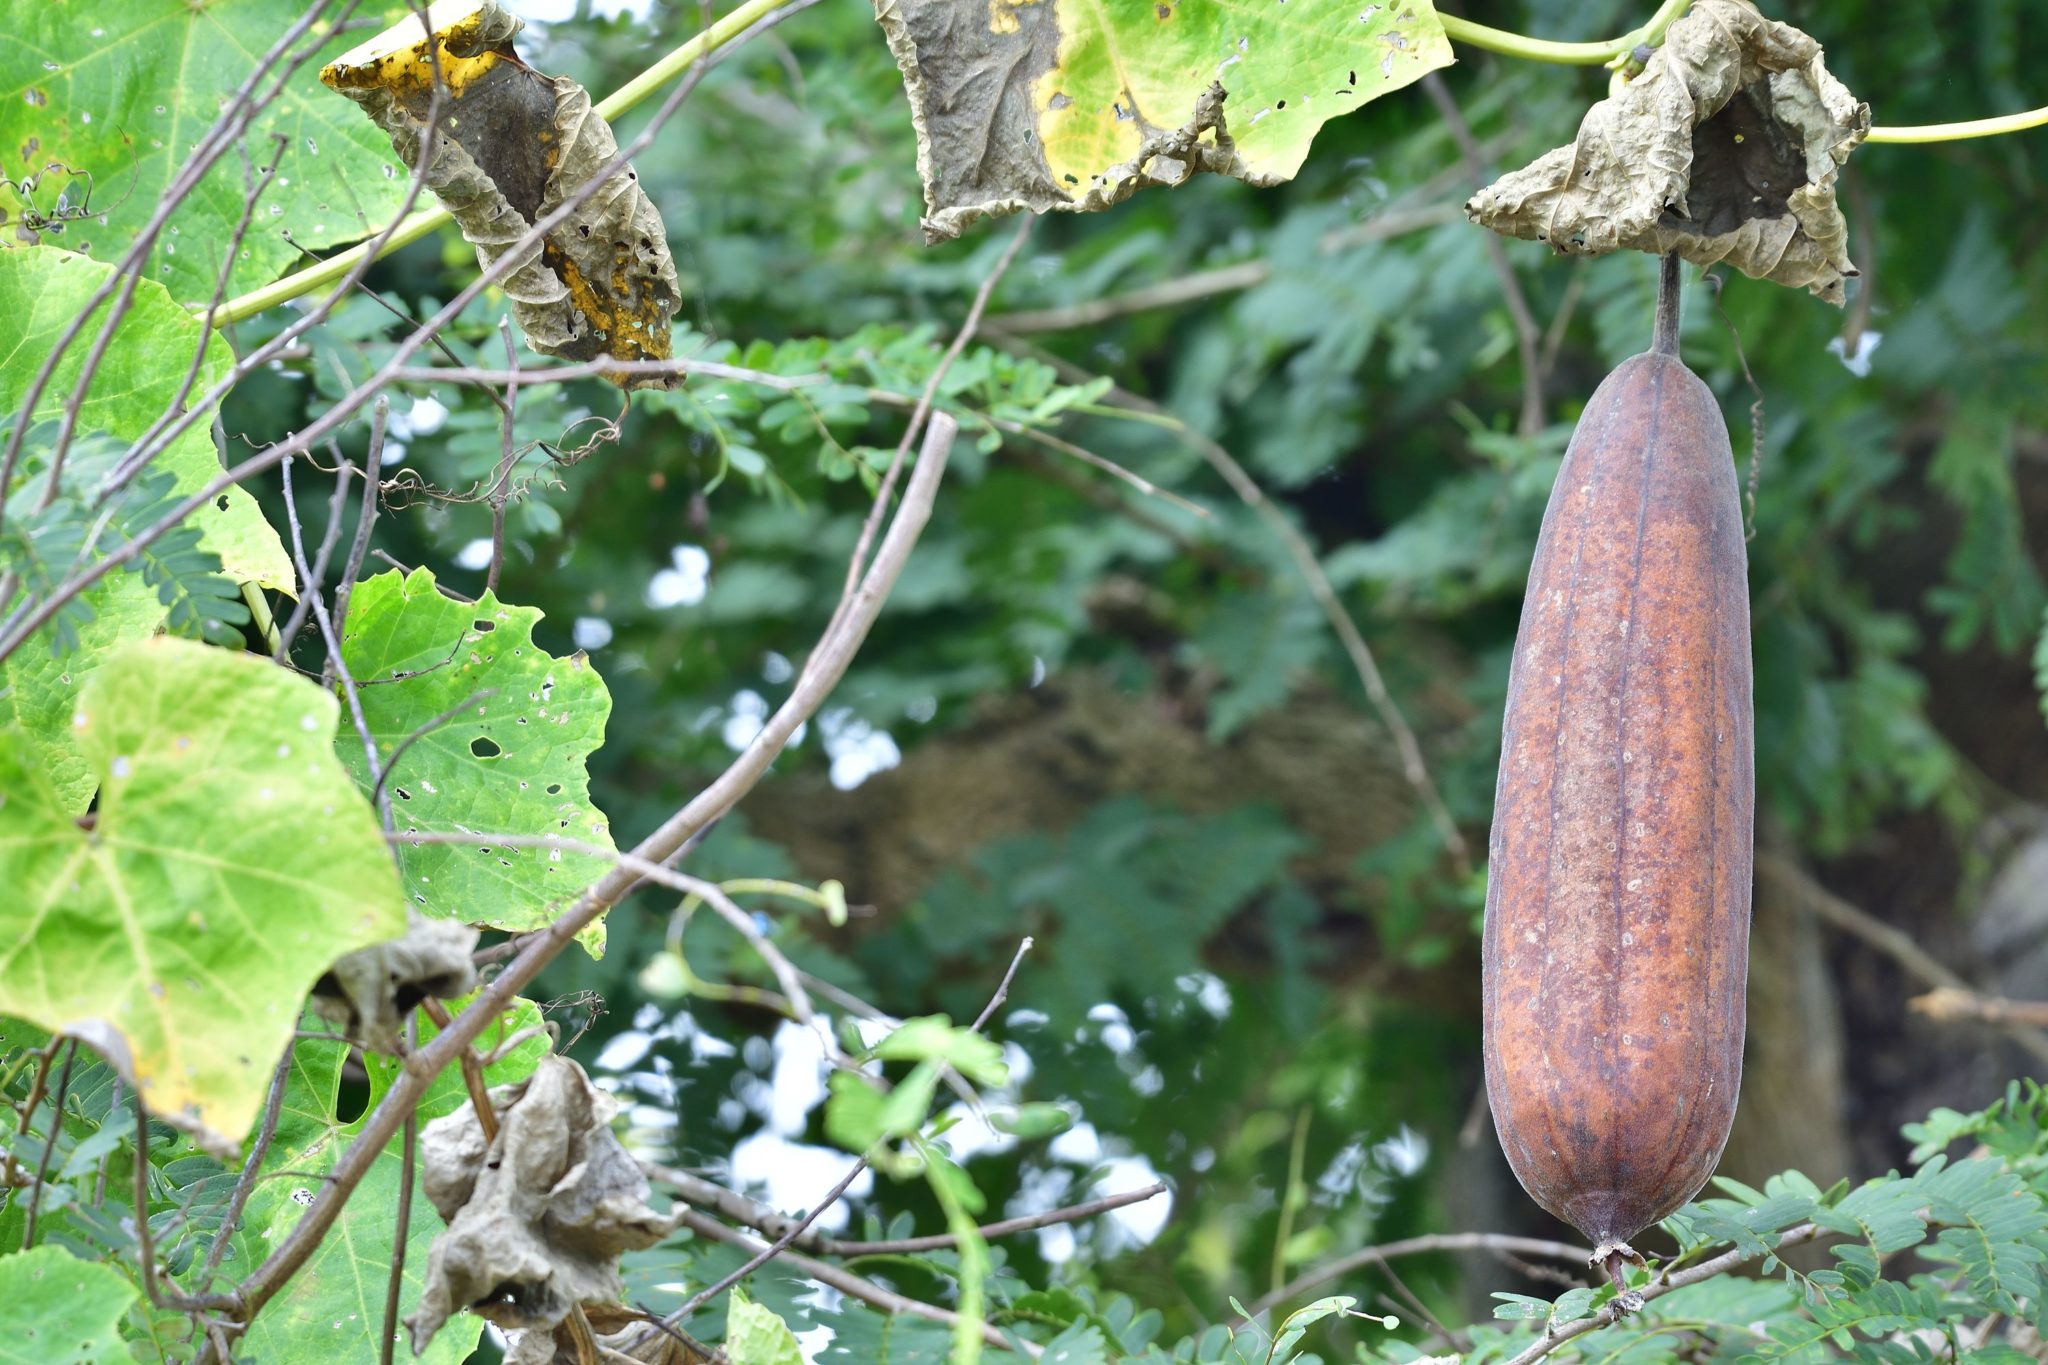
x: 169, y: 931
x: 510, y: 762
x: 1076, y: 105
x: 58, y: 1310
x: 102, y: 104
x: 333, y: 1309
x: 42, y: 290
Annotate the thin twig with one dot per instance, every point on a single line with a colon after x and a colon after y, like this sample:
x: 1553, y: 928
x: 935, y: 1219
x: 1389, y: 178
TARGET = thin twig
x: 848, y: 1283
x: 1949, y: 1002
x: 366, y: 515
x: 501, y: 489
x: 245, y: 1183
x: 1417, y: 1246
x: 472, y: 1074
x: 420, y: 733
x: 349, y: 691
x: 754, y: 1214
x: 1705, y: 1270
x: 56, y: 1129
x: 1893, y: 943
x: 394, y: 1287
x: 1528, y: 338
x: 296, y: 622
x: 1409, y: 749
x: 857, y: 564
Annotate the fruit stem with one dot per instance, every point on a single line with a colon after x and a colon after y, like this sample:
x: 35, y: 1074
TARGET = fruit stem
x: 1669, y: 290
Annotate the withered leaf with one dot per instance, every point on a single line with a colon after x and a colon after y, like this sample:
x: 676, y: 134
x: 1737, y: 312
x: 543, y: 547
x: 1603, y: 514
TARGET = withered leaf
x: 1726, y: 148
x: 368, y: 993
x: 537, y: 1216
x: 511, y: 147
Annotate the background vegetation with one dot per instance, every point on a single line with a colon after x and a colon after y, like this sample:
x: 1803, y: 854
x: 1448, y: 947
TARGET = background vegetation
x: 1095, y: 718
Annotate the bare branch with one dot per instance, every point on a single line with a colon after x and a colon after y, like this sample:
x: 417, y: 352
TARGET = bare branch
x: 1894, y: 944
x: 56, y: 1129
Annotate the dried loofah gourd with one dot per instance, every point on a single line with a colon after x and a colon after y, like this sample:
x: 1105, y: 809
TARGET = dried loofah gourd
x: 512, y: 146
x: 1725, y: 148
x: 537, y: 1216
x: 368, y: 993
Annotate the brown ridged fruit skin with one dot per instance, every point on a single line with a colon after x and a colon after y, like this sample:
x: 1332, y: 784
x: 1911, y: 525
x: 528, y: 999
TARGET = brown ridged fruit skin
x: 1617, y: 907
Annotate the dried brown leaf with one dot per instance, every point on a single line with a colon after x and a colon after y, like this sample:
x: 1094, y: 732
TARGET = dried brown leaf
x: 513, y: 146
x: 537, y: 1216
x: 1725, y: 148
x: 368, y: 993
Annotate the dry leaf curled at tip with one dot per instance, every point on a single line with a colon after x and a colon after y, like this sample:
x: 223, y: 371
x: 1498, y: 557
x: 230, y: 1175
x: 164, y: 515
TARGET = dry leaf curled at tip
x: 512, y: 147
x: 538, y: 1216
x: 368, y: 993
x: 1726, y: 148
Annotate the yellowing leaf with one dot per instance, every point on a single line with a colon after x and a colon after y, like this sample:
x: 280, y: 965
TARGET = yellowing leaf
x: 1077, y: 104
x: 230, y: 859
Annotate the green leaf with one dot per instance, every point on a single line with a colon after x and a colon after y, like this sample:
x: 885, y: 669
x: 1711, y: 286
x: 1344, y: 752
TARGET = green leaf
x: 934, y: 1037
x: 123, y: 89
x: 1262, y: 643
x: 229, y: 862
x: 58, y: 1310
x: 39, y: 688
x: 42, y: 291
x: 1076, y: 105
x: 756, y: 1336
x: 512, y: 762
x: 1036, y: 1119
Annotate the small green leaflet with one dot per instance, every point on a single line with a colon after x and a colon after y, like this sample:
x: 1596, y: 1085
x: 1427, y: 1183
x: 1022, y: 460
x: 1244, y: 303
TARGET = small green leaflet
x: 103, y: 102
x: 230, y: 860
x: 755, y: 1336
x: 509, y: 762
x: 58, y: 1310
x: 42, y: 291
x: 1077, y: 105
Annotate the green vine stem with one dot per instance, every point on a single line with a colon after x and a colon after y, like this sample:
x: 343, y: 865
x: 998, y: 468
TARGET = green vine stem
x: 331, y: 269
x: 1613, y: 52
x: 1957, y: 132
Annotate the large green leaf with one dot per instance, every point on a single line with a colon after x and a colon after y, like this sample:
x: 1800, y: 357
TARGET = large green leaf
x: 124, y: 89
x: 333, y: 1309
x: 230, y: 860
x: 1076, y: 105
x: 39, y: 688
x: 512, y: 762
x: 58, y: 1310
x: 42, y: 290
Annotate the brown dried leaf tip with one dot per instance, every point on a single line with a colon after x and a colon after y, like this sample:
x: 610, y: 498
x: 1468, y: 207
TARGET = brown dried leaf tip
x: 369, y: 993
x: 1726, y: 148
x: 512, y: 147
x: 537, y: 1216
